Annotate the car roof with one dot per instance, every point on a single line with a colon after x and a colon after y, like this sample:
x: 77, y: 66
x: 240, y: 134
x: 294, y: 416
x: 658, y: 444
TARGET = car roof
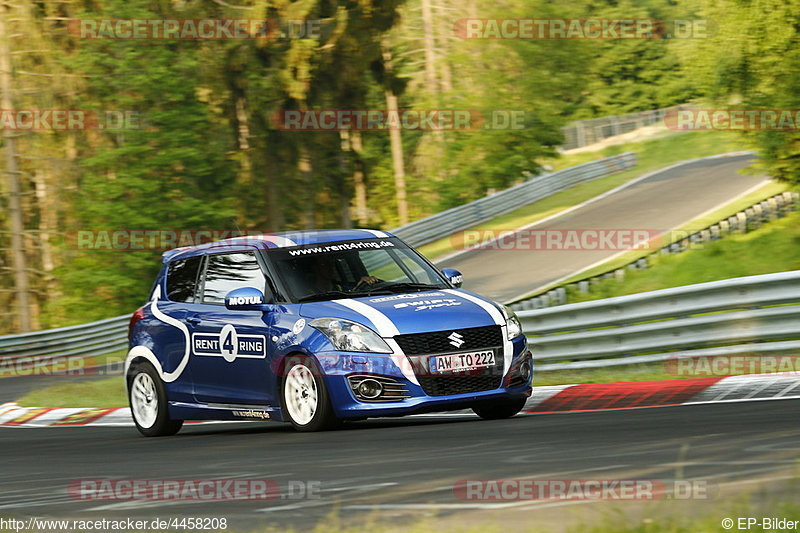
x: 283, y: 239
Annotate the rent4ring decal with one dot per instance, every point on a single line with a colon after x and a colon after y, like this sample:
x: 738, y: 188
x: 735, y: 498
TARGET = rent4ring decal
x: 229, y: 344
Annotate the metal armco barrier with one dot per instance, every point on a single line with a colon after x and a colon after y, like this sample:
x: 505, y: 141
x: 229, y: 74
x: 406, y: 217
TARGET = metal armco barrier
x: 94, y: 338
x: 448, y: 222
x: 749, y: 315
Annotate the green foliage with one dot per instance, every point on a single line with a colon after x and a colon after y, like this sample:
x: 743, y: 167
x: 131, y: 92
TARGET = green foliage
x: 751, y: 63
x: 211, y: 156
x: 771, y: 248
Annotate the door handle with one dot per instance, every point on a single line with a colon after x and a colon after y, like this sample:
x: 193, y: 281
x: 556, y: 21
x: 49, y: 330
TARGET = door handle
x: 194, y: 320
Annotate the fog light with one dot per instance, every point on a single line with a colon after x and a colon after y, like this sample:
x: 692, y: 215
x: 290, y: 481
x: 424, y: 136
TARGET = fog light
x: 525, y: 370
x: 370, y: 389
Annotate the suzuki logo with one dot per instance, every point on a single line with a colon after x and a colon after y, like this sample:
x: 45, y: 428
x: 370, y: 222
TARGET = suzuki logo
x: 456, y: 339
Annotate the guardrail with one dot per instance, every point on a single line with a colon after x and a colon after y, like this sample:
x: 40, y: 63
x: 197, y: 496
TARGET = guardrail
x: 748, y: 315
x: 592, y: 130
x: 464, y: 216
x: 84, y: 340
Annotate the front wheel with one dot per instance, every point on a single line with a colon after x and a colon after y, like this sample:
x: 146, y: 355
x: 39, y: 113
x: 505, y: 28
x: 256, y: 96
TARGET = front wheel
x: 499, y: 409
x: 148, y: 401
x: 305, y: 399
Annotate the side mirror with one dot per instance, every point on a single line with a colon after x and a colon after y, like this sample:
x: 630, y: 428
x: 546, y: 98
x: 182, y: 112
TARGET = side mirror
x: 453, y: 276
x: 245, y: 299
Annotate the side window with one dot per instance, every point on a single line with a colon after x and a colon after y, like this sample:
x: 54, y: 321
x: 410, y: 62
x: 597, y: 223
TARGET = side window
x: 226, y: 272
x: 182, y: 279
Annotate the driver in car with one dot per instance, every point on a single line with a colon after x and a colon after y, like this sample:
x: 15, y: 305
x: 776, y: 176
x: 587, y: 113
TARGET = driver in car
x: 325, y: 279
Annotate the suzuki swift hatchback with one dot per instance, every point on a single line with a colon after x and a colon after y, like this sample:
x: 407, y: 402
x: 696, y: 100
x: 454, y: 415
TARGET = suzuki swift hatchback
x: 314, y: 328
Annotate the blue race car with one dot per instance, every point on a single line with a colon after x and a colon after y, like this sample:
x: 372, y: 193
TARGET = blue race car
x: 317, y: 327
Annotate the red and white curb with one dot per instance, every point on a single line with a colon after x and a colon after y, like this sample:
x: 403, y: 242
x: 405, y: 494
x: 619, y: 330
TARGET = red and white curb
x: 638, y: 394
x: 12, y: 415
x: 550, y: 399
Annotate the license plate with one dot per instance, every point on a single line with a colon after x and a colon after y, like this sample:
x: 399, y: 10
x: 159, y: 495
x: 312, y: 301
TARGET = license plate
x: 459, y: 362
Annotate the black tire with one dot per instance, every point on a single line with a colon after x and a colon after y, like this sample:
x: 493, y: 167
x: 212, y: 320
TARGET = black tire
x: 160, y: 425
x: 323, y: 417
x: 499, y: 409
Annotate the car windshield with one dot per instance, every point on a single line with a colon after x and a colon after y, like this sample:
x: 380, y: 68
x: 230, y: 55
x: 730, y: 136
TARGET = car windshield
x: 352, y: 268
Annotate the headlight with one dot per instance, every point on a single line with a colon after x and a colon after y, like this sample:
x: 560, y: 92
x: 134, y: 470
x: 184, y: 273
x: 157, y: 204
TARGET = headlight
x: 350, y: 336
x: 513, y: 326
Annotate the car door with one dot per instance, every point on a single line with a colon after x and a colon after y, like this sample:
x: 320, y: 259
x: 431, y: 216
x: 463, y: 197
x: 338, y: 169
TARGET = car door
x: 167, y: 326
x: 229, y: 348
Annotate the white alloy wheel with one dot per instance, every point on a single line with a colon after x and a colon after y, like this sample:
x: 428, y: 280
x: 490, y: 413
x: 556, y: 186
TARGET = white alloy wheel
x: 300, y: 394
x: 144, y: 400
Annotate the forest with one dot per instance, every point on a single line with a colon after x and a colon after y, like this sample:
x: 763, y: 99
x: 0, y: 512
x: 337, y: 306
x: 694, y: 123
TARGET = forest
x: 164, y: 118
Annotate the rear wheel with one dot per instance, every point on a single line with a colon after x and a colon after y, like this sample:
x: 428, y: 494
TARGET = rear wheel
x: 304, y: 397
x: 499, y: 409
x: 148, y: 401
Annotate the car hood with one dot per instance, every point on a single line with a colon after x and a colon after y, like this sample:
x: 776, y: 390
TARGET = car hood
x: 414, y: 312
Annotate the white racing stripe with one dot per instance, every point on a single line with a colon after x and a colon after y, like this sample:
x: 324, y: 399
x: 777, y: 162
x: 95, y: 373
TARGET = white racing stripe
x: 167, y: 377
x: 399, y: 358
x: 277, y: 240
x: 386, y: 329
x: 499, y: 319
x: 379, y: 234
x: 382, y: 323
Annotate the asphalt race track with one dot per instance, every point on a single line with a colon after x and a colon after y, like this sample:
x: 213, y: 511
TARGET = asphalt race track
x: 400, y: 469
x: 661, y: 202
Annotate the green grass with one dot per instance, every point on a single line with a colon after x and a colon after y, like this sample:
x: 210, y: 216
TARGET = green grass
x: 109, y: 392
x: 642, y: 372
x: 633, y: 372
x: 710, y: 521
x: 652, y: 154
x: 64, y: 366
x: 774, y: 247
x: 106, y: 392
x: 768, y: 190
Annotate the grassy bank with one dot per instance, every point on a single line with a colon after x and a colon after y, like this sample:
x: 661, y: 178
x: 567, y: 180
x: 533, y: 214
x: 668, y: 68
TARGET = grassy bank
x: 774, y: 247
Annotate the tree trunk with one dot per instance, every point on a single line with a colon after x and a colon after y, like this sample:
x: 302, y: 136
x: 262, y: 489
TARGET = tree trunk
x: 396, y: 143
x: 352, y: 143
x: 429, y: 46
x: 304, y: 168
x: 19, y: 261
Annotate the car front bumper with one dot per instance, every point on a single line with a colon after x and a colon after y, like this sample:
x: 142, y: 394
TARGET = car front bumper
x: 347, y: 405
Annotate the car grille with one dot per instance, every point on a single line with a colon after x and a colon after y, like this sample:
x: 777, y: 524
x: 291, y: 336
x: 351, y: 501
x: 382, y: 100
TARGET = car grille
x: 439, y: 342
x: 454, y: 384
x: 419, y: 347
